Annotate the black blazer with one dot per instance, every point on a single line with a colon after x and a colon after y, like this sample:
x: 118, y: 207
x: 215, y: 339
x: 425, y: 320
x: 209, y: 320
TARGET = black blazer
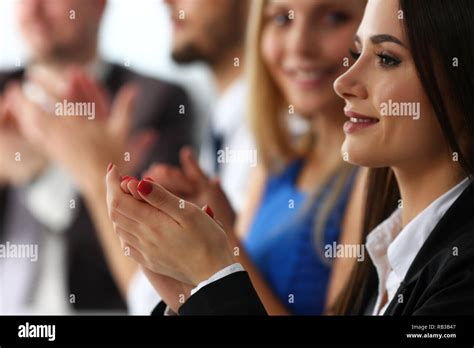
x: 157, y: 107
x: 440, y: 280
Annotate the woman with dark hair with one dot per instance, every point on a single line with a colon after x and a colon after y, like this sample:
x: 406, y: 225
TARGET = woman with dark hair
x: 408, y: 99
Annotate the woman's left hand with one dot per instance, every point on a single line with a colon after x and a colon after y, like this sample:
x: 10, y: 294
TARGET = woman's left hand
x: 166, y: 234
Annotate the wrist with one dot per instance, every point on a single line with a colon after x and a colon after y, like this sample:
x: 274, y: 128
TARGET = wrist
x: 93, y: 184
x: 213, y: 264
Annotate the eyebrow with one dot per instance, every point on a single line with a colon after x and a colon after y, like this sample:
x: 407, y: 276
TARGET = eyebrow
x: 377, y: 39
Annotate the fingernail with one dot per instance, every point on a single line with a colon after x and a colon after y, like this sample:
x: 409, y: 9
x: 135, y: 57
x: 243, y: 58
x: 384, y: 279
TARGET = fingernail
x: 126, y: 178
x: 109, y: 167
x: 191, y: 154
x: 145, y: 187
x: 207, y: 209
x: 147, y: 178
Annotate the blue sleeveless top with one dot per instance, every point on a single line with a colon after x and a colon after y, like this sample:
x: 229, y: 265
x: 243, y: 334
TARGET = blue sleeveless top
x: 281, y: 241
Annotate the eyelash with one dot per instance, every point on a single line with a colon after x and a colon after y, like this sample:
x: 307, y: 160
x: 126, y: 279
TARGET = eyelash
x: 386, y: 60
x: 354, y: 55
x: 281, y: 19
x: 335, y: 18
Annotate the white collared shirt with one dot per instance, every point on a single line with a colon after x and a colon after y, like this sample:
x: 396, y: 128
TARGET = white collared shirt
x: 393, y: 248
x: 229, y: 122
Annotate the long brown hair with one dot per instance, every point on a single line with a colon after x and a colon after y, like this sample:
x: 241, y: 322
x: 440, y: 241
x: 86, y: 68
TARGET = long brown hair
x: 445, y: 84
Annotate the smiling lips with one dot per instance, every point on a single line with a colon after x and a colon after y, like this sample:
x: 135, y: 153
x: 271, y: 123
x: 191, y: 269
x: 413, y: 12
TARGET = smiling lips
x: 308, y: 77
x: 358, y: 122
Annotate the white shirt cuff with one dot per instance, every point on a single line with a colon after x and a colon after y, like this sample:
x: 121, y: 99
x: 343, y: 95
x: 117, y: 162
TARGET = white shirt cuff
x: 234, y: 268
x: 169, y: 312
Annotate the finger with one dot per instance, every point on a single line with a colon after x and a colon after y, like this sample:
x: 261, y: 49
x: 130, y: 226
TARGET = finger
x: 163, y: 200
x: 123, y: 183
x: 207, y: 209
x: 139, y: 147
x: 121, y: 221
x: 29, y: 117
x: 127, y: 237
x: 139, y: 211
x: 132, y: 252
x: 117, y: 200
x: 3, y: 112
x: 132, y: 188
x: 93, y: 91
x: 215, y: 184
x: 121, y: 113
x: 191, y: 167
x: 171, y: 178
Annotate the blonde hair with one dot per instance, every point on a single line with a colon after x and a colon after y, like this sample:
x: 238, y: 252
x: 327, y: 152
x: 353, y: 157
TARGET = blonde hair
x: 265, y: 101
x: 269, y: 122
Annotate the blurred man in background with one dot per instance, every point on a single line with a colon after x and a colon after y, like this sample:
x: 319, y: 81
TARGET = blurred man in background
x: 39, y: 203
x: 213, y: 32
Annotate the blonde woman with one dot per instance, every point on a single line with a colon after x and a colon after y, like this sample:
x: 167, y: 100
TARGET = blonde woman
x: 300, y: 199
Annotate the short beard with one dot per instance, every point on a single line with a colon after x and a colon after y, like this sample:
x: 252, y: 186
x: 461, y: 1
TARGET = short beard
x: 189, y: 54
x: 78, y: 52
x: 220, y: 42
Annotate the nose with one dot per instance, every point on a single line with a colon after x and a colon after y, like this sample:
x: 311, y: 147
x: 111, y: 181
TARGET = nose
x: 304, y: 39
x: 349, y: 85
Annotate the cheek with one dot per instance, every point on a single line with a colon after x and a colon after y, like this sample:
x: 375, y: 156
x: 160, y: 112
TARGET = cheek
x: 410, y: 129
x: 271, y: 52
x: 411, y: 137
x: 336, y: 46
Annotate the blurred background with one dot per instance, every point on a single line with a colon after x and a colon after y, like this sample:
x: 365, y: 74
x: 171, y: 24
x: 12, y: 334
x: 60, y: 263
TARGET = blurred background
x: 123, y: 23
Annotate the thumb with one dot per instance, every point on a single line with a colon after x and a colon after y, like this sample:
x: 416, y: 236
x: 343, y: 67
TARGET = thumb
x: 122, y: 110
x: 139, y: 146
x: 191, y: 166
x: 160, y: 198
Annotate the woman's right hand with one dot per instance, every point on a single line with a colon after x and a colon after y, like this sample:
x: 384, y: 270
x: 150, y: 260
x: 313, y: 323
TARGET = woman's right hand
x: 192, y: 184
x: 165, y: 234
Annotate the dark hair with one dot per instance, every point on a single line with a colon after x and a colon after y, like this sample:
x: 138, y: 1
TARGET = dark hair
x: 440, y: 34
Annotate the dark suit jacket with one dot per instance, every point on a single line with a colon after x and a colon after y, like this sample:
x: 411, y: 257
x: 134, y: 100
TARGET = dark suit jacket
x: 440, y: 280
x: 157, y: 107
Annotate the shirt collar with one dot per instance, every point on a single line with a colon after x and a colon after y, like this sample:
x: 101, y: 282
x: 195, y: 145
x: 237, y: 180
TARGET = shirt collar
x: 397, y: 246
x: 403, y: 250
x: 379, y: 240
x: 230, y: 108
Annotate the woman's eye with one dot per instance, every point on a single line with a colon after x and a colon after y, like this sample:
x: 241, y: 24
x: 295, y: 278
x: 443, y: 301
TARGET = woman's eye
x: 281, y: 19
x: 335, y: 18
x: 354, y: 55
x: 388, y: 61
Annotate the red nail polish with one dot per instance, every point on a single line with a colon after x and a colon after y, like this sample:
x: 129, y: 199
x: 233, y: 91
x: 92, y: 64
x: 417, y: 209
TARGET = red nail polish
x: 147, y: 178
x: 145, y: 187
x: 126, y: 178
x: 207, y: 209
x: 109, y: 167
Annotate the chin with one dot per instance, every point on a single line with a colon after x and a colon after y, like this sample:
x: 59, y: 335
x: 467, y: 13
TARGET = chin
x: 310, y: 106
x: 358, y: 154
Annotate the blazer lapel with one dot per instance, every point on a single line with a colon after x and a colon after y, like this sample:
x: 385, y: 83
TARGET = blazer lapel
x: 447, y: 230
